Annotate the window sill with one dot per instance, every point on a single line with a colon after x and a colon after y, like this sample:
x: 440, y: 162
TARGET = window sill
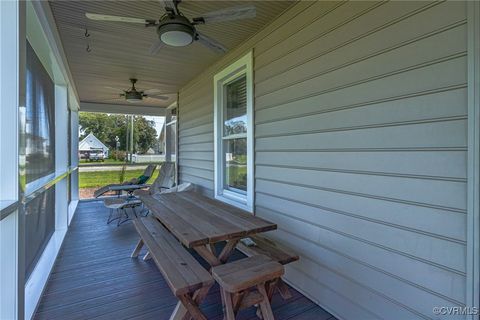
x: 240, y: 203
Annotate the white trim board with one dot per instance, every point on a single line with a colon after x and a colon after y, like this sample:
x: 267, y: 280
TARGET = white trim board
x: 473, y: 163
x: 38, y: 279
x: 72, y: 208
x: 122, y: 109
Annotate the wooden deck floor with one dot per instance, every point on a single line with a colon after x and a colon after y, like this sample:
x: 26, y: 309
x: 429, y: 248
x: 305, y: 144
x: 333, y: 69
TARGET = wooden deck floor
x: 94, y: 278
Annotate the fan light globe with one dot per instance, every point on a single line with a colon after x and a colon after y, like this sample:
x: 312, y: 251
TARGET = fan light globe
x: 133, y: 100
x: 176, y: 31
x: 176, y: 38
x: 133, y: 96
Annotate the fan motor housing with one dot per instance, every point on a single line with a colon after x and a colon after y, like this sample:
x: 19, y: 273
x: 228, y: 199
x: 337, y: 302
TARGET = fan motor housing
x: 176, y: 31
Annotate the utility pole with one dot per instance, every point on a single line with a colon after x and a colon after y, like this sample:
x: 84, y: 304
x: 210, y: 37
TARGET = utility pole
x: 126, y: 141
x: 117, y: 144
x: 131, y: 141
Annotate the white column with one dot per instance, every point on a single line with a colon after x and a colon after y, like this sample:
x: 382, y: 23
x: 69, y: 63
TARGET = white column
x: 12, y: 99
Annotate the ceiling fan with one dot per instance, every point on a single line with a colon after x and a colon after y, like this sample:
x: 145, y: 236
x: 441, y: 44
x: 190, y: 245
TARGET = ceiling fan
x: 174, y: 29
x: 133, y: 95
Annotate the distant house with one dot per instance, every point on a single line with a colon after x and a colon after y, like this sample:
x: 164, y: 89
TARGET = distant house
x: 89, y: 143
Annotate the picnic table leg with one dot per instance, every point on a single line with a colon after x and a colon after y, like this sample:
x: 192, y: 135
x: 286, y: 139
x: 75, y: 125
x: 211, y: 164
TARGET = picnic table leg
x: 267, y: 313
x: 228, y: 250
x: 182, y: 313
x: 209, y: 255
x: 212, y: 249
x: 283, y: 289
x: 137, y: 249
x: 179, y: 312
x: 147, y: 256
x: 237, y: 301
x: 192, y: 308
x: 228, y: 309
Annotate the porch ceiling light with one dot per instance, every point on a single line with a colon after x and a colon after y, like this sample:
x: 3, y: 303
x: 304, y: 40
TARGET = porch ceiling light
x: 133, y: 96
x: 176, y: 31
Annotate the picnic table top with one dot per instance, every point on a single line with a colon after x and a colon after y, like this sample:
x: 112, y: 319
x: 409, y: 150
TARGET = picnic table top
x: 197, y: 220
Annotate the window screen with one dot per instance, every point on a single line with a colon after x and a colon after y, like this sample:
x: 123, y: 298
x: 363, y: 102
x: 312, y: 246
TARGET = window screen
x: 39, y: 227
x: 40, y: 119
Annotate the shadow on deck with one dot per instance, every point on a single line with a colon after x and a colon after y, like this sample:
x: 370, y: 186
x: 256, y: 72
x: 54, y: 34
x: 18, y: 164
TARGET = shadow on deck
x: 94, y: 277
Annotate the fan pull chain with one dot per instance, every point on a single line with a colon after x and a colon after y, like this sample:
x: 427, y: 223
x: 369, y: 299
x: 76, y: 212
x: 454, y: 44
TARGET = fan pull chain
x: 87, y: 35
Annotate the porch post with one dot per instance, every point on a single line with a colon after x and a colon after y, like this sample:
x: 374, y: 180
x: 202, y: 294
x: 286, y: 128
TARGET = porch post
x: 12, y: 160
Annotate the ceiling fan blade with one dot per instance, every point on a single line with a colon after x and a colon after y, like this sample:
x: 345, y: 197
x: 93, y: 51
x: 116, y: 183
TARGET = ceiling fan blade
x: 169, y: 4
x: 110, y: 100
x: 229, y: 14
x: 210, y: 43
x: 152, y: 91
x: 158, y: 97
x: 106, y: 17
x: 156, y: 91
x: 156, y: 46
x: 115, y: 89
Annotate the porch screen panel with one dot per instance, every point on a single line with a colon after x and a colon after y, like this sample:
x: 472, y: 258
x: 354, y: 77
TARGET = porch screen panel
x: 40, y: 119
x: 39, y: 227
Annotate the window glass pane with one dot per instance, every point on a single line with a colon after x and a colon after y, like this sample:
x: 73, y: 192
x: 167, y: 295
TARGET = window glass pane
x: 40, y: 119
x: 235, y: 166
x: 235, y: 107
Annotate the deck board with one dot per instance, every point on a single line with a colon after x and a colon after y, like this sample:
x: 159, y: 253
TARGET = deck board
x: 95, y: 278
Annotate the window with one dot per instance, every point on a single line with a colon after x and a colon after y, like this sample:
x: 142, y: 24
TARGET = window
x: 233, y: 88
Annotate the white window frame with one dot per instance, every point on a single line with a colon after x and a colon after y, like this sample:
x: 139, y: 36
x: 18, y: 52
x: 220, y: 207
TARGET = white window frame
x: 243, y: 66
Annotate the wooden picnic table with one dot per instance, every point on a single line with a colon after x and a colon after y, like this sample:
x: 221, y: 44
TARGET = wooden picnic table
x: 199, y: 222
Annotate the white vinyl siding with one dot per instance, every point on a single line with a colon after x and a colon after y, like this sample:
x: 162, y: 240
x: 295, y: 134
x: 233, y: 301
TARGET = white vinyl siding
x: 360, y: 151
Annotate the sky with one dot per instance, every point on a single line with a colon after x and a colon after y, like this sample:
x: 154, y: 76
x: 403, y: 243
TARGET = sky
x: 158, y: 122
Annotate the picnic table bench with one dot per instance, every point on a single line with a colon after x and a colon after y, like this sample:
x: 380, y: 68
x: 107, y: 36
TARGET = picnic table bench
x: 276, y: 252
x: 187, y: 279
x: 243, y: 284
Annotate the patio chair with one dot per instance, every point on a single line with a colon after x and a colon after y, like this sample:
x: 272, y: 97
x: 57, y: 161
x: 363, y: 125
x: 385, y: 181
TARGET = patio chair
x: 165, y: 182
x: 128, y: 186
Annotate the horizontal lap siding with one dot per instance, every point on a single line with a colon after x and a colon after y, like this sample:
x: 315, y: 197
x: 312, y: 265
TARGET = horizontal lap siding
x: 360, y: 140
x: 195, y: 136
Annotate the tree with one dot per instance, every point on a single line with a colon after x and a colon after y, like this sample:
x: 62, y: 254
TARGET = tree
x: 145, y: 135
x: 107, y: 126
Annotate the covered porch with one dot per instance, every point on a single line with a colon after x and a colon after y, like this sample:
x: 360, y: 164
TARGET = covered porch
x: 351, y: 126
x: 95, y: 278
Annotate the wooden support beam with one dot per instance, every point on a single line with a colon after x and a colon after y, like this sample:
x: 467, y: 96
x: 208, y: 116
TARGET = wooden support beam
x: 227, y: 250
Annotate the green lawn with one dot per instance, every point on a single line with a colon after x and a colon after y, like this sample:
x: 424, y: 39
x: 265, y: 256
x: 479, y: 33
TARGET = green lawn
x: 102, y: 178
x: 84, y: 162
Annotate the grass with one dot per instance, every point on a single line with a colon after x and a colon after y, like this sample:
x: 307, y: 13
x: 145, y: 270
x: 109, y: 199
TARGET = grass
x: 84, y: 162
x: 101, y: 178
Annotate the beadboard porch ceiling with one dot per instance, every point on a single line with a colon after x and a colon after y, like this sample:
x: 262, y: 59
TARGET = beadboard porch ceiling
x: 120, y: 51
